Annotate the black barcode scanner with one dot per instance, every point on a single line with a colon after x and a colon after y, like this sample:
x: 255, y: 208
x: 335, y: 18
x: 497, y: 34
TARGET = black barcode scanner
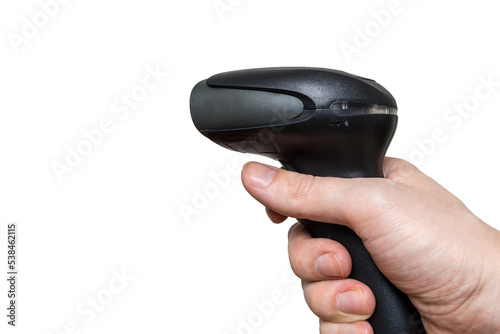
x: 313, y: 121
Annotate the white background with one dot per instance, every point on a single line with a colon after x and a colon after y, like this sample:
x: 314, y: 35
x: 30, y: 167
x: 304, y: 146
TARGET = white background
x: 119, y: 209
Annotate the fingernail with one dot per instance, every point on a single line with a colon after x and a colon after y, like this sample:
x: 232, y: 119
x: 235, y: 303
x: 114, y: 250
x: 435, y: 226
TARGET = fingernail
x: 353, y: 329
x: 329, y: 265
x: 352, y: 302
x: 259, y: 175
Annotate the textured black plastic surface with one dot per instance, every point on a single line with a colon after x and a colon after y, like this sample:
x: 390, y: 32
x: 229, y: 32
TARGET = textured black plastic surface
x: 317, y: 87
x: 321, y: 143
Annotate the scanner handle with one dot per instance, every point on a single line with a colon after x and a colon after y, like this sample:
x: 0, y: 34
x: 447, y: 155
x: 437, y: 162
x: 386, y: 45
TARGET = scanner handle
x: 394, y: 313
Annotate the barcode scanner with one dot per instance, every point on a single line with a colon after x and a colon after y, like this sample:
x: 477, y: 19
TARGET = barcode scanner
x: 313, y: 121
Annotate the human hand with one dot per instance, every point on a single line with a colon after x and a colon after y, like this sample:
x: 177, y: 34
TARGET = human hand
x: 422, y: 238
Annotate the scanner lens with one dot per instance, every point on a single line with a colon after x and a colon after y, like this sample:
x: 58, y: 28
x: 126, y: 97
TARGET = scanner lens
x: 356, y: 109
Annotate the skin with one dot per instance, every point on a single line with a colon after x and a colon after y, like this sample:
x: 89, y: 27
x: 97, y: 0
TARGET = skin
x: 422, y: 238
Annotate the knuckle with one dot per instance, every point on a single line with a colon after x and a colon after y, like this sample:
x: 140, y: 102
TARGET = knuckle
x: 294, y: 263
x: 300, y: 187
x: 305, y: 286
x: 401, y: 170
x: 328, y: 327
x: 298, y: 191
x: 379, y: 199
x: 315, y: 298
x: 297, y: 261
x: 293, y: 231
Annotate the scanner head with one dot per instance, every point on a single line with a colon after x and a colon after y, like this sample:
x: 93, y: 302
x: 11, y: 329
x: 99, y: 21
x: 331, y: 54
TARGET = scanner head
x: 290, y: 112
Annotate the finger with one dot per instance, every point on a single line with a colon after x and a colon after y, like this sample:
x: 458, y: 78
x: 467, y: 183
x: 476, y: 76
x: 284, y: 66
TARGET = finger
x: 298, y: 195
x: 401, y: 171
x: 275, y: 217
x: 361, y: 327
x: 339, y: 301
x: 315, y: 259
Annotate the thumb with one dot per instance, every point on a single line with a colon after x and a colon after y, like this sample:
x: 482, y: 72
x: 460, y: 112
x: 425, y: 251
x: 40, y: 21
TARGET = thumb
x: 301, y: 196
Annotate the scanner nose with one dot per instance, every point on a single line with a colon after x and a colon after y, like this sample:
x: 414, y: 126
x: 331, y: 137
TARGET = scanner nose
x: 216, y: 108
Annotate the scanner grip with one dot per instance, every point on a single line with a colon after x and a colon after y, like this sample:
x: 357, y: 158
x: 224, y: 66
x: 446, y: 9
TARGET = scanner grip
x: 394, y: 313
x: 353, y: 151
